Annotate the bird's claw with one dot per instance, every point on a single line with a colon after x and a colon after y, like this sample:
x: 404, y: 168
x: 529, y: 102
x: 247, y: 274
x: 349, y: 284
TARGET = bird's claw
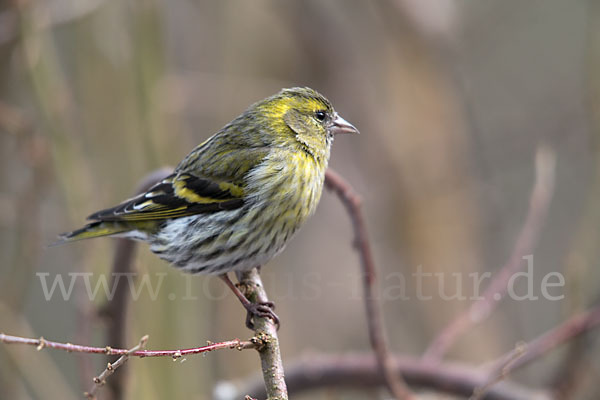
x: 261, y: 310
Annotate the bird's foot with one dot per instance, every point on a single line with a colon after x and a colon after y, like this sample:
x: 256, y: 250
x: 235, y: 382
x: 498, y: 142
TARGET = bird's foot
x: 260, y: 310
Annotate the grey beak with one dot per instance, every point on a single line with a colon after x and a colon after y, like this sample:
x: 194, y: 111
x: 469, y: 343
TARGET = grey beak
x: 340, y: 125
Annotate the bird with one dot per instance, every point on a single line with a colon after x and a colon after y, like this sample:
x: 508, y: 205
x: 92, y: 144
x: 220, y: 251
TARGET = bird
x: 236, y: 200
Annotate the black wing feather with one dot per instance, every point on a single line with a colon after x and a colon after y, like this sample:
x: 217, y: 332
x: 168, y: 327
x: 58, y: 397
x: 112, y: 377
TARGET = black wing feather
x: 178, y: 195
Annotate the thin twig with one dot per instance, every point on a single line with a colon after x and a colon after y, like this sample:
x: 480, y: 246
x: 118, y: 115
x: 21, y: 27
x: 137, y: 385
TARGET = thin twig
x: 110, y: 369
x: 566, y: 331
x: 538, y: 207
x: 266, y: 332
x: 42, y: 343
x: 525, y: 353
x: 500, y: 372
x: 352, y: 202
x: 578, y: 365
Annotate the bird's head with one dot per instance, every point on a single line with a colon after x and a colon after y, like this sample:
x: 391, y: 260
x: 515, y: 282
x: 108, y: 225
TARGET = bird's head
x: 305, y: 118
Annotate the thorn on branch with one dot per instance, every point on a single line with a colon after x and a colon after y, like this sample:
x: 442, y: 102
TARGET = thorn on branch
x: 177, y: 355
x: 42, y: 343
x: 259, y: 342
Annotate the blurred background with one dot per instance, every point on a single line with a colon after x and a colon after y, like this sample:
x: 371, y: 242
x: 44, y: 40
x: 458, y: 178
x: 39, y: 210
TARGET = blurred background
x: 452, y: 98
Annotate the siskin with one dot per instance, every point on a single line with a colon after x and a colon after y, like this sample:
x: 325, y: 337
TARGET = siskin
x: 234, y: 202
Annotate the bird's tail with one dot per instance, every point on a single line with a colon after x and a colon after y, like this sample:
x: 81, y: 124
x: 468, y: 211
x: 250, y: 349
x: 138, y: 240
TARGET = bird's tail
x: 93, y: 230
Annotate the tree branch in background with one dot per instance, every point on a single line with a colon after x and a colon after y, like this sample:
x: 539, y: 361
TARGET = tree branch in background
x: 352, y: 203
x: 114, y: 311
x: 526, y: 353
x: 539, y: 203
x: 577, y: 366
x: 500, y: 371
x: 568, y: 330
x: 266, y: 332
x: 360, y: 371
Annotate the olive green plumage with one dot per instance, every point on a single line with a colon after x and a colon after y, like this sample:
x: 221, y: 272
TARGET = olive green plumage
x: 235, y: 201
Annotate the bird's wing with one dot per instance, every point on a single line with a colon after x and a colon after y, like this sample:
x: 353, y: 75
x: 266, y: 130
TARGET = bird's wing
x: 178, y: 195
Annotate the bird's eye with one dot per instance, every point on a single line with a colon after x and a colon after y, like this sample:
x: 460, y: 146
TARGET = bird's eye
x: 320, y: 115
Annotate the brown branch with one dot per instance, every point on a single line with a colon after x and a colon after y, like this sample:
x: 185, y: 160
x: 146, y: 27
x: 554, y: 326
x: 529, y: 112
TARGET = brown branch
x: 352, y: 202
x: 114, y: 311
x: 575, y: 369
x: 524, y: 353
x: 360, y: 371
x: 266, y: 332
x: 539, y: 203
x: 500, y: 372
x: 570, y: 329
x: 42, y: 343
x: 110, y: 369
